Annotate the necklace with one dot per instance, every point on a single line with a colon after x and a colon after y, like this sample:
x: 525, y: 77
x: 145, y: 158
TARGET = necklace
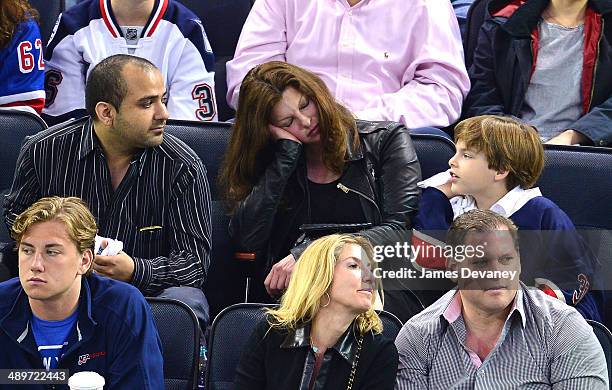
x: 548, y: 17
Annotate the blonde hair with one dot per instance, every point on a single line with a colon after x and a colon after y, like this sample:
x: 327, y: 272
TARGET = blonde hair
x: 73, y: 212
x: 508, y: 145
x: 312, y: 278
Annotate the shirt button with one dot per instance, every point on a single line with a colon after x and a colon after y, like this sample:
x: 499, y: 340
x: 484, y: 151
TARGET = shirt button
x: 350, y: 13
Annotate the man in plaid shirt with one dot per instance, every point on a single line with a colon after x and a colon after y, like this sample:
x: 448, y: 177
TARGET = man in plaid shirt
x: 492, y: 331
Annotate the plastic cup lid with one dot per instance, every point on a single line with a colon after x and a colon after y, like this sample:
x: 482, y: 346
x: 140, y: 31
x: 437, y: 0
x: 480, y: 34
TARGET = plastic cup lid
x: 86, y: 380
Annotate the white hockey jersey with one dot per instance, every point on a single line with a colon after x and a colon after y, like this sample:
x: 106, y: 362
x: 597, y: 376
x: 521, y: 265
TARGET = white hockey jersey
x: 173, y: 39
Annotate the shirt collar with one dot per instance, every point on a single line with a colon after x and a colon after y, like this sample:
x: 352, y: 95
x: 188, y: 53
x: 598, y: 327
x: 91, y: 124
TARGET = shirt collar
x: 453, y: 310
x: 90, y: 142
x: 346, y: 345
x: 506, y: 206
x: 514, y: 200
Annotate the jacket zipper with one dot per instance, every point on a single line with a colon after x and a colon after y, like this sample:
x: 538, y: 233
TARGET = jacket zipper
x: 595, y: 67
x: 346, y: 190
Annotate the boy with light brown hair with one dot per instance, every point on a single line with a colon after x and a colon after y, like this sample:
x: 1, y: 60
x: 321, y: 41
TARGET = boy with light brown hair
x: 496, y: 164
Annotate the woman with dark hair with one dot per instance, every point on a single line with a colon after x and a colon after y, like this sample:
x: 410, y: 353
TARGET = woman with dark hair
x: 325, y: 334
x: 22, y: 69
x: 298, y: 157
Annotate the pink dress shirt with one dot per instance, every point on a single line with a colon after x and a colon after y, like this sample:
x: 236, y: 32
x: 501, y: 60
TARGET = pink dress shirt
x: 398, y: 60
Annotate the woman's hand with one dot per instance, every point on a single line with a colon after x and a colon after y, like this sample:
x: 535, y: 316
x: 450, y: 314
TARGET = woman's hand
x: 568, y: 137
x: 279, y: 276
x: 280, y: 133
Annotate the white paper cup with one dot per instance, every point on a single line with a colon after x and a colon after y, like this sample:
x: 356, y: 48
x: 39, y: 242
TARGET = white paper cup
x: 86, y: 380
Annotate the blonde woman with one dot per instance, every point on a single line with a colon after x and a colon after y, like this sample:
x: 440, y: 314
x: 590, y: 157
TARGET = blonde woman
x: 325, y: 334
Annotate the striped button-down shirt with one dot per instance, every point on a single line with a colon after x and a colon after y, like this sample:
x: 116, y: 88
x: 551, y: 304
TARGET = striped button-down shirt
x: 544, y: 344
x: 161, y: 209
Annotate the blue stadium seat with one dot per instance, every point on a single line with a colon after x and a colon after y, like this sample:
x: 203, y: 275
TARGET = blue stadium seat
x: 229, y: 334
x: 605, y: 339
x: 179, y: 333
x: 15, y: 126
x: 224, y: 285
x: 433, y: 152
x: 577, y: 178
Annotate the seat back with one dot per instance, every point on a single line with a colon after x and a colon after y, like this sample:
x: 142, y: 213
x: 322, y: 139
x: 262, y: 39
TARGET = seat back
x: 209, y: 140
x: 15, y: 126
x: 222, y: 20
x: 225, y: 284
x: 391, y: 324
x: 49, y: 11
x: 475, y: 18
x: 179, y: 332
x: 433, y: 152
x: 230, y: 332
x: 605, y: 339
x: 577, y: 179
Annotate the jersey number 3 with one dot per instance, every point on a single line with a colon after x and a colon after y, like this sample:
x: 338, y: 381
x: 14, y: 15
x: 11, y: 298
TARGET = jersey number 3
x: 203, y: 94
x: 26, y: 58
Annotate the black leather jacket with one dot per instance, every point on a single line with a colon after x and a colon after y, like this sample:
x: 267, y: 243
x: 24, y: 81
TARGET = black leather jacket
x: 384, y: 172
x: 282, y: 359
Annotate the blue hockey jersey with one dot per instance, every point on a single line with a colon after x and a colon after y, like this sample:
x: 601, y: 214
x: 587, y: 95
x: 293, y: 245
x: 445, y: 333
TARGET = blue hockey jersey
x: 22, y: 68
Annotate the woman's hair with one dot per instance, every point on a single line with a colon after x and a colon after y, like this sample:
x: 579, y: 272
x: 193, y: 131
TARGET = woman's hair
x: 508, y: 145
x: 312, y: 278
x: 13, y: 12
x: 251, y: 147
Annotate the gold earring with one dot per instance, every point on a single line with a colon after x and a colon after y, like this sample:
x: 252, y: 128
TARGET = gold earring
x: 328, y: 300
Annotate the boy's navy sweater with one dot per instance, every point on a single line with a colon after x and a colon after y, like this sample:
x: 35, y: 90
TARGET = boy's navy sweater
x: 550, y: 247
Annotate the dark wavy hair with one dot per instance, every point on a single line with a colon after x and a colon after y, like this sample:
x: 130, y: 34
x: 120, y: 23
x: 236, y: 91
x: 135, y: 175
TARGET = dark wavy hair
x: 251, y: 146
x: 13, y: 12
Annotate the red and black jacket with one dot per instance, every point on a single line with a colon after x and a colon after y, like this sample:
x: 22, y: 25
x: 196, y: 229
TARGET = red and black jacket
x: 506, y: 55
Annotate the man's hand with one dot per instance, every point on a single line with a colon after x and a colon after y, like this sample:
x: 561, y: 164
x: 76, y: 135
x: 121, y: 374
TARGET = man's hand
x: 279, y: 276
x: 119, y: 267
x: 568, y: 137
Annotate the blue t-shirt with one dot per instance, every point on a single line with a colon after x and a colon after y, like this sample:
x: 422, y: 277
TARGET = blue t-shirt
x: 50, y: 337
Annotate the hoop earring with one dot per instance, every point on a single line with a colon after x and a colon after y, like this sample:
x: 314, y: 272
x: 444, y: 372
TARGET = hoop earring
x: 328, y: 300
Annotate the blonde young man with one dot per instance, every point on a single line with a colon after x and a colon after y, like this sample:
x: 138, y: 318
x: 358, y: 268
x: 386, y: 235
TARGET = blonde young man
x: 498, y: 160
x: 493, y: 332
x: 58, y: 315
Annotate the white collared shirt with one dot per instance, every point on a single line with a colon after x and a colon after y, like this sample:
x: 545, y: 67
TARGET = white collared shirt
x: 506, y: 206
